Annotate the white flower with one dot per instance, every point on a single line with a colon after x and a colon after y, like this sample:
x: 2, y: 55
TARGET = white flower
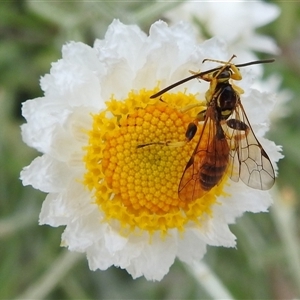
x: 119, y: 203
x: 234, y: 21
x: 273, y: 84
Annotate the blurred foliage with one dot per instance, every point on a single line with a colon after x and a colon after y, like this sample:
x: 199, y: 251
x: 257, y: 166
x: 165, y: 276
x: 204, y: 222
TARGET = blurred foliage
x: 31, y: 34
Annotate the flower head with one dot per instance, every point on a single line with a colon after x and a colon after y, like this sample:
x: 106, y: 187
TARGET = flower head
x: 234, y: 21
x: 111, y: 176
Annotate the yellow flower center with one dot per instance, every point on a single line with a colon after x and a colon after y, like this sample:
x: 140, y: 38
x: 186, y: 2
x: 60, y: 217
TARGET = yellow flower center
x: 138, y: 186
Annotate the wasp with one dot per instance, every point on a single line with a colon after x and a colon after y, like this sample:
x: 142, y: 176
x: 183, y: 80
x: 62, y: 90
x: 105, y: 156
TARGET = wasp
x: 227, y: 142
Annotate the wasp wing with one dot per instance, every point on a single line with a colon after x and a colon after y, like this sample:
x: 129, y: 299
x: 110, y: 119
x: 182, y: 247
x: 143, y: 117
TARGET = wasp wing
x: 208, y: 162
x: 248, y: 160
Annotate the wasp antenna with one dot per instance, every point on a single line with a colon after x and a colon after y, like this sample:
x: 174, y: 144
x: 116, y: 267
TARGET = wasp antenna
x: 220, y: 69
x: 256, y: 62
x: 175, y: 84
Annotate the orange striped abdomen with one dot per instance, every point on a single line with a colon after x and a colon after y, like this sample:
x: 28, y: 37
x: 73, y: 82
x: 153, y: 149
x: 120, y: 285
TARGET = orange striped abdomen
x: 214, y: 163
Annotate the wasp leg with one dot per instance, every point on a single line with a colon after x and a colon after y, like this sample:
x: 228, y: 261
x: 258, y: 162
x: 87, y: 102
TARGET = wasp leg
x: 238, y: 89
x: 236, y: 74
x: 191, y: 106
x: 240, y: 126
x: 194, y: 73
x: 190, y: 131
x: 166, y: 143
x: 220, y: 61
x: 237, y: 125
x: 189, y: 134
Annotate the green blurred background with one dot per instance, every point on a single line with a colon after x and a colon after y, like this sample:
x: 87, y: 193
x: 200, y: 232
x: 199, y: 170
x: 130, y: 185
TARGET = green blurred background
x: 32, y: 264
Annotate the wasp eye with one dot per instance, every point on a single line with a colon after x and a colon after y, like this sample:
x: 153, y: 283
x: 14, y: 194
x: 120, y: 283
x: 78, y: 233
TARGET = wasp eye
x: 224, y: 75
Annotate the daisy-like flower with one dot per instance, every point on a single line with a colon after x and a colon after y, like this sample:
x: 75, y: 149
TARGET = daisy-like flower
x: 118, y: 201
x: 234, y: 21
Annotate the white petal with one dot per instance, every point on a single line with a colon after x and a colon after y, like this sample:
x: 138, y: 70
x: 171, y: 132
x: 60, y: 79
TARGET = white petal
x: 263, y: 43
x: 215, y: 231
x: 46, y: 174
x: 231, y: 21
x: 44, y: 116
x: 59, y: 208
x: 155, y: 259
x: 83, y: 232
x: 190, y: 247
x: 241, y: 200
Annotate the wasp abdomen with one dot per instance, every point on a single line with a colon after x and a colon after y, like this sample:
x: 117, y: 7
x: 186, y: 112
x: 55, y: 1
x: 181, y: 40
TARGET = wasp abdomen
x: 210, y: 175
x: 215, y: 161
